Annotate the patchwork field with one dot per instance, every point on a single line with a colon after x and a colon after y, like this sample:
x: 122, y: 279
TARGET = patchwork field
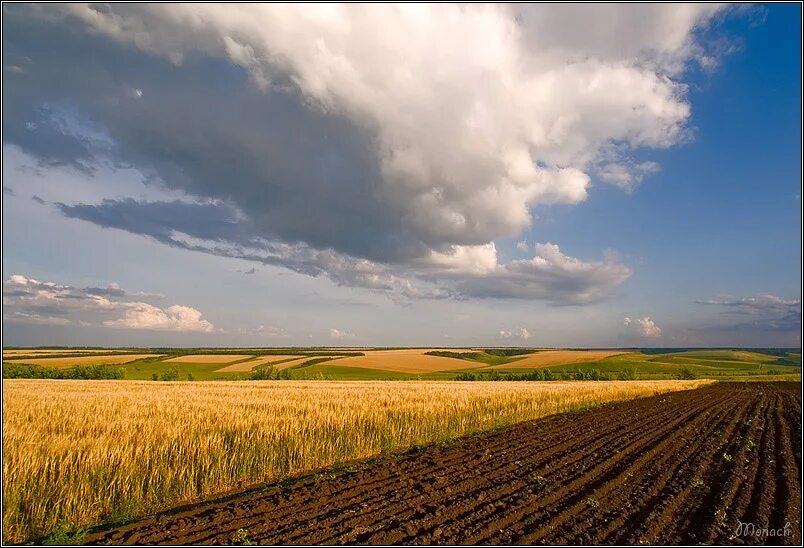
x: 547, y: 358
x: 683, y: 468
x: 208, y: 358
x: 279, y: 362
x: 78, y: 453
x: 39, y: 352
x: 405, y: 361
x: 84, y: 360
x: 434, y: 364
x: 715, y: 364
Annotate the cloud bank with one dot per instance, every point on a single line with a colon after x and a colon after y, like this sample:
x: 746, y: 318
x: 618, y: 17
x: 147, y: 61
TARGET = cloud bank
x: 387, y: 147
x: 28, y: 301
x: 765, y: 312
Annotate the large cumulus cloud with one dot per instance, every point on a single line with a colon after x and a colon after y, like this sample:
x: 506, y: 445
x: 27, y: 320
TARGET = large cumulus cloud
x: 385, y: 146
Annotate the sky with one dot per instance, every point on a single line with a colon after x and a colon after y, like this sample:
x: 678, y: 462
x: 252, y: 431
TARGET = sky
x: 377, y: 175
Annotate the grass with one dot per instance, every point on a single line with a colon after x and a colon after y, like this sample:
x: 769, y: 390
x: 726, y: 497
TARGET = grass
x: 145, y: 369
x: 79, y: 453
x: 713, y: 364
x: 219, y: 359
x: 552, y: 358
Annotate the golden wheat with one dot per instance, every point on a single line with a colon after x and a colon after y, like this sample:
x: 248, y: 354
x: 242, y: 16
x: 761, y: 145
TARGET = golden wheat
x: 82, y: 452
x: 38, y: 352
x: 407, y: 361
x: 83, y: 360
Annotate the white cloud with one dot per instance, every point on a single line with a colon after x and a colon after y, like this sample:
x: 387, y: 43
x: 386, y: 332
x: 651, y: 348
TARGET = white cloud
x: 270, y: 331
x: 30, y: 301
x: 522, y: 245
x: 464, y: 259
x: 549, y: 275
x: 625, y: 175
x: 518, y: 333
x: 645, y: 327
x: 339, y: 334
x: 649, y: 327
x: 172, y: 318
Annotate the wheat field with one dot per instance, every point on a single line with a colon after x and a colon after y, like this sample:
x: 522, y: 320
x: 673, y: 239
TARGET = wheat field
x: 78, y: 453
x: 406, y: 361
x: 84, y: 360
x: 40, y: 352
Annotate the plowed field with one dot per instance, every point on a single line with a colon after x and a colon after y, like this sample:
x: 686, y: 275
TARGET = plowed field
x: 685, y: 467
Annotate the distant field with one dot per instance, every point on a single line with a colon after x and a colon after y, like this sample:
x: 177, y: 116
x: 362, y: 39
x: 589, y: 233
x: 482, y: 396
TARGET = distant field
x: 84, y: 360
x: 547, y: 358
x: 285, y: 362
x: 422, y: 364
x: 333, y: 371
x: 35, y: 352
x: 77, y: 453
x: 713, y: 364
x: 208, y: 358
x: 404, y: 361
x: 723, y: 355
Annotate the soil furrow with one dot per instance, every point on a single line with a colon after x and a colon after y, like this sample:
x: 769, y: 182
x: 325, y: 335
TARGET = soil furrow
x: 649, y: 470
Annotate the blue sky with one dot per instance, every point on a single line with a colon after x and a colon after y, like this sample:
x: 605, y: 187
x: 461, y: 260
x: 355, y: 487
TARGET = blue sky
x: 636, y: 186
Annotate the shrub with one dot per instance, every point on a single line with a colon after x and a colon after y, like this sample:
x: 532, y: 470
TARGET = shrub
x: 171, y: 374
x: 465, y: 377
x: 687, y: 374
x: 94, y: 372
x: 504, y: 352
x: 263, y: 373
x: 29, y: 371
x: 628, y: 374
x: 26, y: 371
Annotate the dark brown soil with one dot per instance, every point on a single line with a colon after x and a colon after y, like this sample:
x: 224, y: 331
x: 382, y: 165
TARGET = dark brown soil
x: 681, y: 468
